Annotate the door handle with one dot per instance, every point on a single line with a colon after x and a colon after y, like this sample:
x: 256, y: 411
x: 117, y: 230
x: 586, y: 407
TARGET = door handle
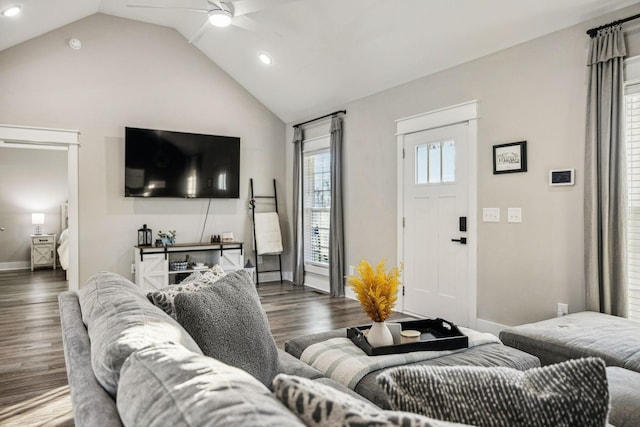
x: 462, y: 240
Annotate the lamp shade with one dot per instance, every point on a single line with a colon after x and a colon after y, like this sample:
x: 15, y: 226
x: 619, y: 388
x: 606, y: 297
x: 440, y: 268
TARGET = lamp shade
x: 37, y: 218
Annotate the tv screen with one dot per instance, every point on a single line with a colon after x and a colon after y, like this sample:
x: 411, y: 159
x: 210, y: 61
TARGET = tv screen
x: 160, y: 163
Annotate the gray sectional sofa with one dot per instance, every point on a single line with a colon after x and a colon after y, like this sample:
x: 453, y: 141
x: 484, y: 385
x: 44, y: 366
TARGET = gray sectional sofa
x: 130, y: 363
x: 211, y: 360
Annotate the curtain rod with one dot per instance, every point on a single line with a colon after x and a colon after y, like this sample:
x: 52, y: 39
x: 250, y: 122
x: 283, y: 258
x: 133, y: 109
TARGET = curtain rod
x: 335, y: 113
x: 594, y: 31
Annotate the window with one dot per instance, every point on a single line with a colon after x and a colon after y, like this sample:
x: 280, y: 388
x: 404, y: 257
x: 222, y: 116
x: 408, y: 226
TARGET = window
x: 316, y: 182
x: 632, y: 139
x: 435, y: 162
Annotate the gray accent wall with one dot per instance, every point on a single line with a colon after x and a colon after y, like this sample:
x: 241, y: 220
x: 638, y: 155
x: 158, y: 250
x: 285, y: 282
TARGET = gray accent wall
x: 135, y: 74
x: 535, y: 91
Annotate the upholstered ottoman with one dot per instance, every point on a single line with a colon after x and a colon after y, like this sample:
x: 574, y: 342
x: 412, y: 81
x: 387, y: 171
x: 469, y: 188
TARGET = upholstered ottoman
x: 614, y: 339
x: 483, y: 355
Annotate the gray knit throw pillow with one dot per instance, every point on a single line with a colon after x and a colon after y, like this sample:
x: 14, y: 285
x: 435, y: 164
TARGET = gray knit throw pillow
x: 572, y: 393
x: 228, y: 322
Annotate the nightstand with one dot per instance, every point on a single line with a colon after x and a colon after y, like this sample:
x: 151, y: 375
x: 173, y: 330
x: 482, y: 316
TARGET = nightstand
x: 43, y: 250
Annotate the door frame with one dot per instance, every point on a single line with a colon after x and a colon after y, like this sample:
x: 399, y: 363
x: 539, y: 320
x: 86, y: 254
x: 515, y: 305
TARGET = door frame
x: 461, y: 113
x: 63, y: 139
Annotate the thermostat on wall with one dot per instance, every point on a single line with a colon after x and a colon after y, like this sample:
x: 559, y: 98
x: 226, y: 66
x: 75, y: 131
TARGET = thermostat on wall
x: 562, y: 177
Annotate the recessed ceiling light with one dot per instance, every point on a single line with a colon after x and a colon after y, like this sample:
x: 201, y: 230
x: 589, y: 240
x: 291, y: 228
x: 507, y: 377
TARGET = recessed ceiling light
x: 220, y: 18
x: 12, y: 10
x: 265, y: 59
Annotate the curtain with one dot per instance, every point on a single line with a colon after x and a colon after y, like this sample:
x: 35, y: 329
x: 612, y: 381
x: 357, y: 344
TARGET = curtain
x: 298, y: 243
x: 336, y: 234
x: 605, y: 177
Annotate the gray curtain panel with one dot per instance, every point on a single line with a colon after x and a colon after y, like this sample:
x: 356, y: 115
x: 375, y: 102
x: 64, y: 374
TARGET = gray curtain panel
x: 336, y: 234
x: 605, y: 177
x: 298, y: 243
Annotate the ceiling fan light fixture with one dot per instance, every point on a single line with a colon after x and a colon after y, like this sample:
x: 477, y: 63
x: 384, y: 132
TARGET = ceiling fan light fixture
x: 220, y: 18
x: 11, y: 10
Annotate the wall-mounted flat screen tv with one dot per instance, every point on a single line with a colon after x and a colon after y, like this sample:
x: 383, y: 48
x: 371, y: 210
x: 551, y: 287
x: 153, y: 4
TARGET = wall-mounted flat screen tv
x: 160, y: 163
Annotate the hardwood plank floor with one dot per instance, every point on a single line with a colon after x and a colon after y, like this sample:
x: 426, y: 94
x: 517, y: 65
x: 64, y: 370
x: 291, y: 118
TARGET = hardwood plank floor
x: 33, y: 381
x: 33, y: 378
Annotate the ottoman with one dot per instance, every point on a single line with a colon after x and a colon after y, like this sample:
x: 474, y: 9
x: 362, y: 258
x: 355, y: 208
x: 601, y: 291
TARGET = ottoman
x: 484, y: 355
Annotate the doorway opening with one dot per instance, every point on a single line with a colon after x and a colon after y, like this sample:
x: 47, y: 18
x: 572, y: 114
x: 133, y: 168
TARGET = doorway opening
x: 42, y: 139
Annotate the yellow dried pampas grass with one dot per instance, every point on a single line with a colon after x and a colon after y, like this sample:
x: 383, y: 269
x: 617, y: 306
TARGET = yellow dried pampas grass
x: 376, y: 289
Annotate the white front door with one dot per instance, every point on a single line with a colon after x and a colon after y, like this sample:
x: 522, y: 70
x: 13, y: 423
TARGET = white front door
x: 435, y: 211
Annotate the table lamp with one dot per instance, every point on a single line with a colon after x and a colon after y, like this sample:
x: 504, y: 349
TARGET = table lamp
x: 37, y: 219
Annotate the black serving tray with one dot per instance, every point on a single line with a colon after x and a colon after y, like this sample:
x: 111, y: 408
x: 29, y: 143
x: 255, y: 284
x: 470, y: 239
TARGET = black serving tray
x: 435, y: 335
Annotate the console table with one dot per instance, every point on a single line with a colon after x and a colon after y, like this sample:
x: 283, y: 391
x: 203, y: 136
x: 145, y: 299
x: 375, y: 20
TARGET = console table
x: 153, y: 263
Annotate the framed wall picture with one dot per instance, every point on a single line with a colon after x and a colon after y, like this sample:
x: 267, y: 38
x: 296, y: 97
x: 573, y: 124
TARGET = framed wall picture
x: 510, y: 158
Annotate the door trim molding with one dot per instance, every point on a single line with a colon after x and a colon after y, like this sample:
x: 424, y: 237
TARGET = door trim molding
x: 461, y: 113
x: 47, y: 138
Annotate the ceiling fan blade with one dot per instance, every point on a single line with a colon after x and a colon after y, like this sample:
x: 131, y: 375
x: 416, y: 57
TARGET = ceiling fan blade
x: 253, y: 26
x: 150, y: 6
x: 243, y: 7
x: 198, y: 35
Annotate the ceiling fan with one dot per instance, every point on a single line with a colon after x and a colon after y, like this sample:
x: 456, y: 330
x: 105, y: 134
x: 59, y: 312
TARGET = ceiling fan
x: 223, y: 13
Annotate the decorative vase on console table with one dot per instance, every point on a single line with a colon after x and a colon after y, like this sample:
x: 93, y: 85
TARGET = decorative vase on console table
x: 377, y: 292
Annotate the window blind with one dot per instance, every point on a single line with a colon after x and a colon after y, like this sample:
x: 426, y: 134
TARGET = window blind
x: 632, y: 139
x: 317, y: 206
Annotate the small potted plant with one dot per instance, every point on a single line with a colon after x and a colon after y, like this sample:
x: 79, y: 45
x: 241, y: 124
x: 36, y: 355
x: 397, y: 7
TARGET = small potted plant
x: 377, y: 291
x: 168, y: 238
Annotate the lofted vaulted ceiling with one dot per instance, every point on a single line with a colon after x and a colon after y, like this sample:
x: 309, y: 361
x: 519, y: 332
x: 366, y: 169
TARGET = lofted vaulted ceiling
x: 328, y: 52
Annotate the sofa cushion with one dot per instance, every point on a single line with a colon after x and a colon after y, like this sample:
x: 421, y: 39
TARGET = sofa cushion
x: 120, y: 320
x: 165, y: 297
x: 229, y: 323
x: 182, y: 388
x: 623, y: 392
x: 572, y: 393
x: 321, y: 405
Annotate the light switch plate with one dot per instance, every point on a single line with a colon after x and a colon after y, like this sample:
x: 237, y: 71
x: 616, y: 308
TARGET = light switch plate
x: 514, y: 214
x: 491, y: 214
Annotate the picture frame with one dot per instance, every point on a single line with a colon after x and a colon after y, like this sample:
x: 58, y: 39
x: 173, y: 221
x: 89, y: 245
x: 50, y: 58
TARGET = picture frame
x: 510, y: 158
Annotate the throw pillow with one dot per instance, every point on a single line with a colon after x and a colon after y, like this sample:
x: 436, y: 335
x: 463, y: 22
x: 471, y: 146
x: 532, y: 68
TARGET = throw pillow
x: 119, y: 321
x: 571, y: 393
x: 321, y: 405
x: 228, y: 323
x: 171, y: 386
x: 165, y: 297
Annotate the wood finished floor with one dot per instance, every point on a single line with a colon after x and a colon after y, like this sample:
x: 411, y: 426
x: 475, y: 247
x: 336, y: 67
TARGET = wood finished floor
x: 33, y: 381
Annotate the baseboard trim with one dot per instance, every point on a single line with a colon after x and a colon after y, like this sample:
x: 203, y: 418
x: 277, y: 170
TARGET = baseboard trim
x: 274, y: 276
x: 489, y: 326
x: 16, y: 265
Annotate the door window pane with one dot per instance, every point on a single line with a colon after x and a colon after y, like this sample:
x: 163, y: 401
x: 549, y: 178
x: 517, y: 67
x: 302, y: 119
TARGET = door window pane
x: 436, y: 162
x: 448, y: 161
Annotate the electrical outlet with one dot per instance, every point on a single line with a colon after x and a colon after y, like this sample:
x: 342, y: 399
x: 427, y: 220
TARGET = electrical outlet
x: 259, y: 259
x: 563, y: 309
x: 352, y: 270
x: 133, y: 268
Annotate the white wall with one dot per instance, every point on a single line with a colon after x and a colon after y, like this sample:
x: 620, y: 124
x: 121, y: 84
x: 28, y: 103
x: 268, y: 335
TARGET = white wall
x: 30, y: 181
x: 535, y: 91
x: 134, y: 74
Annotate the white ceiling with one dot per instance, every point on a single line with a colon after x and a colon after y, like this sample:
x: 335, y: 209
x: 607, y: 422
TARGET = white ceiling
x: 330, y: 52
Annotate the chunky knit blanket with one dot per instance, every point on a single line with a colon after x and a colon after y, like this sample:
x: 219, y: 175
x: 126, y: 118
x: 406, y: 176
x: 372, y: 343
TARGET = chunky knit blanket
x: 341, y: 360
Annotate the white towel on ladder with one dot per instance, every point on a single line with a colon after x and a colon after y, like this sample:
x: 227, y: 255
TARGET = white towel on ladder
x: 268, y: 237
